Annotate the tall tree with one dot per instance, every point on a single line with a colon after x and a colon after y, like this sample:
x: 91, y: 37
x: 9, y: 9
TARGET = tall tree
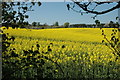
x: 97, y: 22
x: 26, y: 23
x: 45, y: 24
x: 117, y: 24
x: 16, y: 11
x: 66, y: 25
x: 56, y: 24
x: 34, y: 23
x: 38, y: 24
x: 111, y: 24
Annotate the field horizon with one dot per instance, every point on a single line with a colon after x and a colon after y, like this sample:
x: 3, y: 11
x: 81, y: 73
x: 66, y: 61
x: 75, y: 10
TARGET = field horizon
x: 70, y: 34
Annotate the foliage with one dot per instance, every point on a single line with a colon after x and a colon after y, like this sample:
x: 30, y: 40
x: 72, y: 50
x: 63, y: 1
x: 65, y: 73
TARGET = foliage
x: 97, y: 23
x: 66, y: 25
x: 113, y: 43
x: 13, y: 12
x: 80, y: 25
x: 111, y: 24
x: 45, y: 24
x: 56, y: 24
x: 21, y: 66
x: 34, y: 23
x: 38, y: 23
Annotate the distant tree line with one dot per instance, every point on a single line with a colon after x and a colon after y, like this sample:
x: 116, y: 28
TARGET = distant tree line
x: 37, y: 25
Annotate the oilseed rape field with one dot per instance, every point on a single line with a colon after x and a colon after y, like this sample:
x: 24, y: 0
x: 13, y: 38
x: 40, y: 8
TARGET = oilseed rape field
x: 68, y: 53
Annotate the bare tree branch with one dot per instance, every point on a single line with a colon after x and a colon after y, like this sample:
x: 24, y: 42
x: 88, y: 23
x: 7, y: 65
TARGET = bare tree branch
x: 85, y: 7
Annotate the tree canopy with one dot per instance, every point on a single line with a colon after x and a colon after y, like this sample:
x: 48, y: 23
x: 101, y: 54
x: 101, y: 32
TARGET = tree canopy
x: 66, y: 24
x: 56, y: 24
x: 14, y: 12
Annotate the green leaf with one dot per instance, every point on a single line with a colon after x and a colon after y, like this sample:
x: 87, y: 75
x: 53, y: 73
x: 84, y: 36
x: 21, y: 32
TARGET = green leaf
x: 18, y: 3
x: 14, y: 12
x: 25, y: 8
x: 68, y: 6
x: 26, y: 16
x: 33, y: 3
x: 39, y: 3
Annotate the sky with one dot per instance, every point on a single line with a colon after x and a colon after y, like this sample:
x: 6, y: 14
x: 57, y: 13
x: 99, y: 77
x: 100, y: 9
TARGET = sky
x: 61, y: 0
x: 51, y: 12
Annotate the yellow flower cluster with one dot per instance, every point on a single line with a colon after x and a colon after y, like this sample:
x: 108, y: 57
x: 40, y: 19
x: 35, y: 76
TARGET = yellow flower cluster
x: 71, y: 46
